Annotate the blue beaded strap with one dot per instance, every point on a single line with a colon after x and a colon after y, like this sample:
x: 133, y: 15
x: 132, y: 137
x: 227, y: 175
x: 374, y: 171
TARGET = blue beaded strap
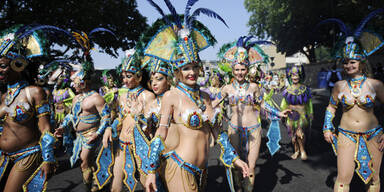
x: 185, y: 165
x: 23, y: 153
x: 333, y: 102
x: 228, y: 153
x: 43, y: 109
x: 328, y: 125
x: 37, y: 181
x: 47, y: 141
x: 156, y: 147
x: 273, y: 111
x: 105, y: 119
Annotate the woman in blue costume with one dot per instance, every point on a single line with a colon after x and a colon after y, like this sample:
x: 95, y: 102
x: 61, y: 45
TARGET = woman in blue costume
x: 297, y: 97
x: 360, y: 141
x: 245, y: 101
x: 26, y: 142
x: 133, y: 101
x: 186, y: 107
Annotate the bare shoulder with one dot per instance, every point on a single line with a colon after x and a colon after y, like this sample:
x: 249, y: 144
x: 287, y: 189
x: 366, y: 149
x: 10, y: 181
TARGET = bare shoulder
x: 375, y: 82
x: 37, y: 93
x: 149, y: 95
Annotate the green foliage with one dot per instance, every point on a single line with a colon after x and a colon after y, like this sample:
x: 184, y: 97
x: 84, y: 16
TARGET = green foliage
x: 120, y: 16
x: 291, y: 23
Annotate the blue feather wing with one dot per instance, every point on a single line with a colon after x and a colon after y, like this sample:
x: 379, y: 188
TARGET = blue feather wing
x: 208, y: 13
x: 101, y: 29
x: 49, y: 28
x: 188, y: 7
x: 261, y: 42
x: 156, y: 6
x: 173, y: 12
x: 248, y: 38
x: 362, y: 24
x: 340, y: 23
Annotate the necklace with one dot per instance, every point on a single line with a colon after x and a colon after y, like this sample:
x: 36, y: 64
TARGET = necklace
x: 355, y: 85
x: 13, y: 91
x: 135, y: 92
x: 241, y: 89
x: 193, y: 94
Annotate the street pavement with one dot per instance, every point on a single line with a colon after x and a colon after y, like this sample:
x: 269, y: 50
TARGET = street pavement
x: 278, y: 173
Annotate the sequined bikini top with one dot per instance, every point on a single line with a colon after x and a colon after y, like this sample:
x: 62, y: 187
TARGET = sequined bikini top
x: 364, y: 101
x: 240, y: 96
x: 18, y: 111
x: 194, y: 118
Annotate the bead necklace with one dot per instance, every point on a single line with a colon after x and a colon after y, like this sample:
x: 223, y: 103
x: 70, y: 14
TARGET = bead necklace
x: 241, y: 89
x: 355, y: 85
x: 13, y: 91
x: 193, y: 94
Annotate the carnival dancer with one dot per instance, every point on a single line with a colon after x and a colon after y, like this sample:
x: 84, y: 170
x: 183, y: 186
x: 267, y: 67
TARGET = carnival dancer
x: 189, y: 109
x: 133, y: 100
x: 109, y: 91
x: 297, y: 97
x: 245, y: 100
x: 360, y: 139
x: 26, y: 142
x: 62, y: 92
x: 89, y: 117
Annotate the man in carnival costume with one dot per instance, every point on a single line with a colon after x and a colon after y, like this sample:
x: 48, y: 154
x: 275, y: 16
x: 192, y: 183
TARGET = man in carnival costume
x: 297, y: 97
x: 360, y: 140
x: 190, y: 110
x: 245, y: 102
x: 89, y: 117
x: 26, y: 142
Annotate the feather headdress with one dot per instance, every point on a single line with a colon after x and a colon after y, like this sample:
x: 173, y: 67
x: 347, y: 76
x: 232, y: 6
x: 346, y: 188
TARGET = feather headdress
x: 244, y: 52
x: 357, y: 44
x: 180, y: 40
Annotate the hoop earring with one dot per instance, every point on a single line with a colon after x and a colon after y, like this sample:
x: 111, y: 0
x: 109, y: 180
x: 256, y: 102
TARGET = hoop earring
x: 18, y: 64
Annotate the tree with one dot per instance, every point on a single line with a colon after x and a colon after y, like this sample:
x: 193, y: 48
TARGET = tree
x: 291, y: 23
x: 119, y: 16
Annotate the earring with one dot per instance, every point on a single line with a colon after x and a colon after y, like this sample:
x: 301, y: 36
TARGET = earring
x: 18, y: 64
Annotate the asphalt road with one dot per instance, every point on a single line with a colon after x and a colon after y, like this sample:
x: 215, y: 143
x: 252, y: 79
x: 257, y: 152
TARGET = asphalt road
x: 276, y: 173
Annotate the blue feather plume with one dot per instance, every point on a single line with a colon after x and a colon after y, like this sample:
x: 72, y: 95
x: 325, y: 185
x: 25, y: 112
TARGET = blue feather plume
x: 157, y: 7
x: 174, y: 13
x: 240, y: 41
x: 207, y: 12
x: 43, y: 27
x: 261, y: 42
x: 340, y: 23
x: 188, y: 7
x: 101, y: 29
x: 248, y: 38
x: 366, y: 20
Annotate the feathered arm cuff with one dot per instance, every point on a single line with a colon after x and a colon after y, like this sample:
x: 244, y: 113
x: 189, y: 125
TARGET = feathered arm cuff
x: 328, y: 125
x: 47, y: 141
x: 105, y: 119
x: 156, y: 147
x: 228, y: 154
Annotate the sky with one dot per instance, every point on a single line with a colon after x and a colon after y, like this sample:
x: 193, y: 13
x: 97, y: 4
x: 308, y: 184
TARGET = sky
x: 232, y: 11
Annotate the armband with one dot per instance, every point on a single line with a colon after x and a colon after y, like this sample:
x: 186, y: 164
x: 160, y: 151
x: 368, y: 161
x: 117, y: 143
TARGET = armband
x: 105, y: 119
x: 228, y: 154
x: 114, y: 126
x: 156, y: 147
x: 47, y: 141
x: 328, y: 125
x: 43, y: 109
x: 271, y: 109
x: 333, y: 103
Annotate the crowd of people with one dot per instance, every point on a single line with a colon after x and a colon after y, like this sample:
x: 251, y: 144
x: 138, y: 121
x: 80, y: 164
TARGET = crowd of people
x: 152, y: 122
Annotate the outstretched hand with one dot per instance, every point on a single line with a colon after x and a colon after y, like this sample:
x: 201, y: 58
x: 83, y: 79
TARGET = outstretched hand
x: 285, y: 113
x: 150, y: 184
x: 59, y: 132
x: 107, y: 137
x: 328, y: 136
